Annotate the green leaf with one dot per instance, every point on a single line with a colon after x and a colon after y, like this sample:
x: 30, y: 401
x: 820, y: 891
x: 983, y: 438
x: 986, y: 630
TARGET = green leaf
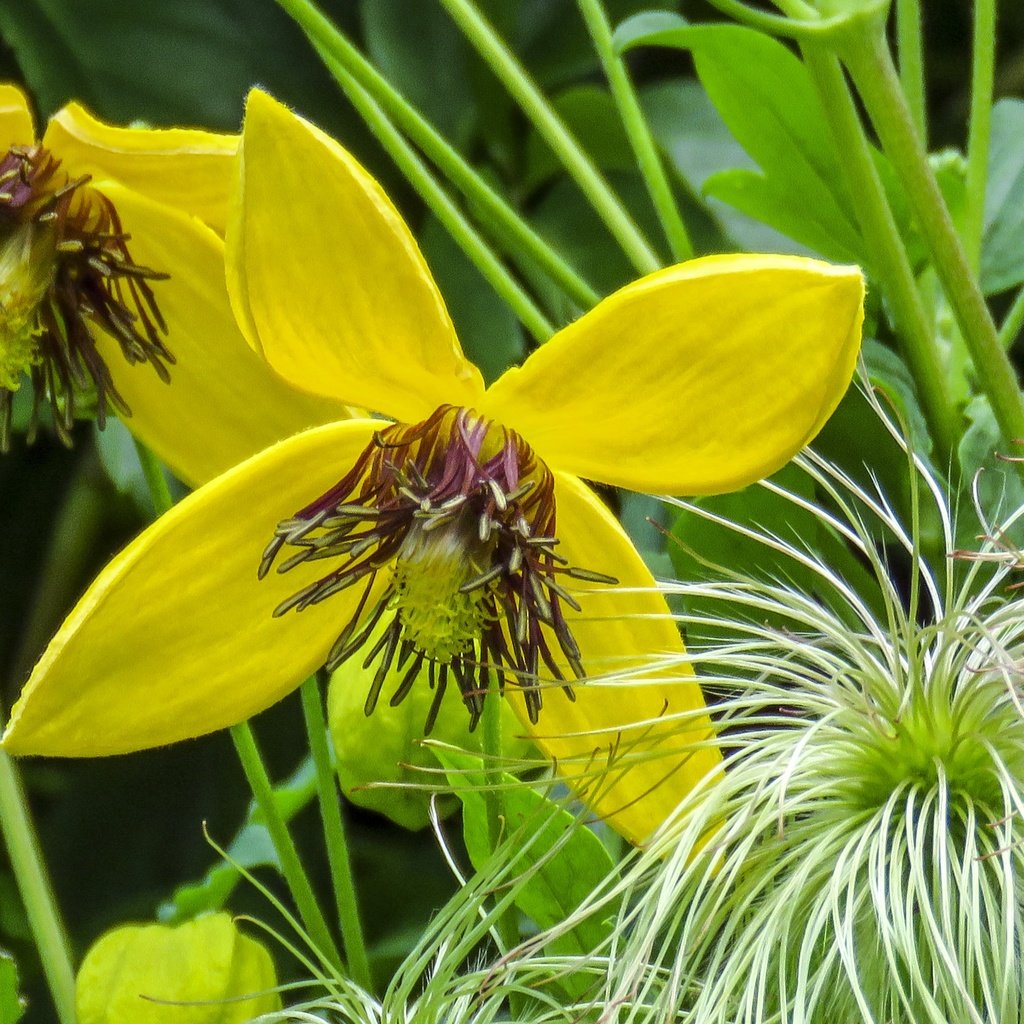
x: 251, y: 848
x: 12, y: 1006
x: 565, y: 861
x: 999, y: 490
x: 765, y: 95
x: 770, y: 201
x: 1002, y: 248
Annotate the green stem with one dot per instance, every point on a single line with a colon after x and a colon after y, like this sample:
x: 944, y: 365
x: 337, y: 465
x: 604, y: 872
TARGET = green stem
x: 911, y: 51
x: 638, y: 131
x: 1013, y: 322
x: 36, y: 892
x: 982, y: 83
x: 878, y: 226
x: 515, y: 233
x: 256, y: 772
x: 551, y: 128
x: 442, y: 205
x: 334, y: 833
x: 505, y: 926
x: 870, y: 63
x: 291, y: 865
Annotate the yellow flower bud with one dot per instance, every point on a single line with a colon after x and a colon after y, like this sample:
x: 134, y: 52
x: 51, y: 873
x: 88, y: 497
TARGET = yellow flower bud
x: 162, y: 974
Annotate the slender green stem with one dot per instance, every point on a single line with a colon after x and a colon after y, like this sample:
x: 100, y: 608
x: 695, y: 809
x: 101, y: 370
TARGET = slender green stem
x: 552, y: 129
x: 36, y: 892
x: 442, y: 205
x: 868, y: 58
x: 506, y: 927
x: 334, y: 833
x: 982, y: 83
x: 291, y: 866
x: 256, y: 772
x: 911, y: 51
x: 878, y: 226
x: 638, y: 131
x: 1013, y: 321
x: 514, y: 232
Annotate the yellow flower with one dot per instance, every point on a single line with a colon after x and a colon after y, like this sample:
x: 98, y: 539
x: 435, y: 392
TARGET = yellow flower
x: 204, y: 968
x: 461, y: 531
x: 92, y: 218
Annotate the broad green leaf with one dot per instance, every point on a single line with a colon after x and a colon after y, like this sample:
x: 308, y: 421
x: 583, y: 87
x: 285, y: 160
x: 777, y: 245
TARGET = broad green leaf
x: 764, y: 94
x: 12, y: 1006
x: 566, y: 860
x: 251, y: 848
x: 1002, y: 249
x: 770, y: 200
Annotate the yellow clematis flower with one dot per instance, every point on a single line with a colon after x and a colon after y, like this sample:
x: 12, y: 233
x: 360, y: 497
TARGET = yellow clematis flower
x: 458, y: 533
x: 92, y: 218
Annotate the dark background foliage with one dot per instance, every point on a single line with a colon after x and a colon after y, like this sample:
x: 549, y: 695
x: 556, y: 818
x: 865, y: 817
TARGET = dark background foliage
x: 120, y: 834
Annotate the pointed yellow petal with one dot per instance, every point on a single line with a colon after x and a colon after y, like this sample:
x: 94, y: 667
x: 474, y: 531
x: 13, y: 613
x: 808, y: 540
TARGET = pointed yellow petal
x: 16, y: 126
x: 639, y: 708
x: 224, y: 402
x: 191, y: 170
x: 328, y: 281
x: 176, y: 637
x: 695, y: 380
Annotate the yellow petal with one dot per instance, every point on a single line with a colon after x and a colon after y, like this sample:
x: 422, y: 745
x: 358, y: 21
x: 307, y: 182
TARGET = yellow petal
x: 224, y: 403
x: 176, y: 637
x: 695, y: 380
x: 329, y: 283
x: 640, y: 709
x: 16, y: 127
x: 191, y: 170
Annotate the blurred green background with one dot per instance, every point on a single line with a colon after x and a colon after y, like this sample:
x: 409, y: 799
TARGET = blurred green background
x: 120, y: 834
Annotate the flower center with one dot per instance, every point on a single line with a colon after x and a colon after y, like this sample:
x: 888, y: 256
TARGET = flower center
x: 449, y: 526
x: 65, y: 269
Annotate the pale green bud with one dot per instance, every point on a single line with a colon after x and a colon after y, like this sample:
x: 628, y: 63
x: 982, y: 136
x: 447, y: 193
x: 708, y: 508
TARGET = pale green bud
x: 134, y: 973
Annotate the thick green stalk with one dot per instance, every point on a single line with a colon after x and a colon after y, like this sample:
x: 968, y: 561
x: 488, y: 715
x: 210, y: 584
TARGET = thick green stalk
x: 519, y: 238
x: 914, y: 331
x: 911, y: 51
x: 291, y: 866
x: 36, y: 892
x: 335, y: 835
x: 550, y: 126
x: 256, y: 772
x: 982, y: 83
x: 658, y: 186
x: 866, y: 54
x: 442, y: 205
